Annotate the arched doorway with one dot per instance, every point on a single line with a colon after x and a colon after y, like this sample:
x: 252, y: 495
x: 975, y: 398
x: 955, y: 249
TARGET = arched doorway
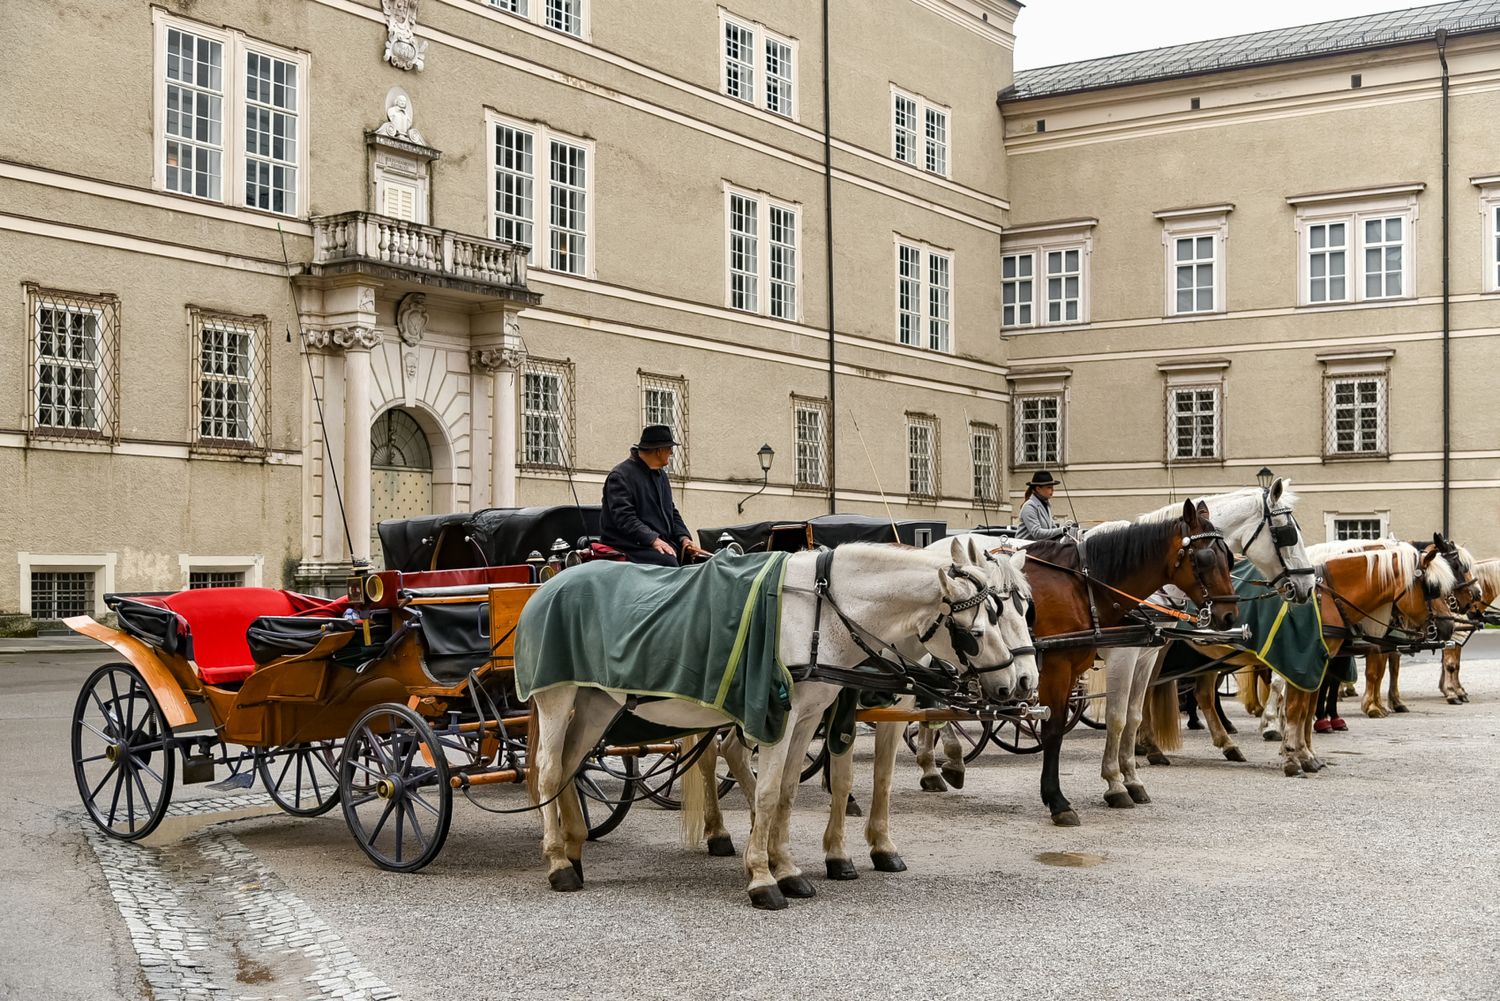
x: 400, y: 472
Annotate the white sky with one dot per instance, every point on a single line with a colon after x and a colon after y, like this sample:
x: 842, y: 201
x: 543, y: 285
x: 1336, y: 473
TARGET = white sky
x: 1065, y: 31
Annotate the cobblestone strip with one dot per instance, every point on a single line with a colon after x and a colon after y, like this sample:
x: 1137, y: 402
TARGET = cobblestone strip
x: 280, y: 921
x: 208, y: 805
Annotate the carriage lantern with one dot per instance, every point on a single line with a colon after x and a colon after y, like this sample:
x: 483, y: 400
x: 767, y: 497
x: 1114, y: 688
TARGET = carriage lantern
x: 1265, y: 477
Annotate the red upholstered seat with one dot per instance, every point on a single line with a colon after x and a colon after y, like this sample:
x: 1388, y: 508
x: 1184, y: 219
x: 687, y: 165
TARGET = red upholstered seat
x: 217, y: 618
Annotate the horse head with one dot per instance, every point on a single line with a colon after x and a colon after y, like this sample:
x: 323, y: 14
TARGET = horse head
x: 1201, y: 565
x: 984, y: 622
x: 1277, y: 548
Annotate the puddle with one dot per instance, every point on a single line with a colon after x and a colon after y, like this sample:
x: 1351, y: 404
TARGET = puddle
x: 1346, y: 752
x: 1070, y: 860
x: 174, y: 829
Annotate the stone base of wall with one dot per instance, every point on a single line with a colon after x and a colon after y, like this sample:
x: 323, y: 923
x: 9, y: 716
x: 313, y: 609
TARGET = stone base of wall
x: 14, y: 625
x: 328, y: 580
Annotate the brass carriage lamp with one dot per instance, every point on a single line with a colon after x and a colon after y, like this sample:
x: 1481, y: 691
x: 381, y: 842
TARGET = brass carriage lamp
x: 766, y: 454
x: 1265, y: 477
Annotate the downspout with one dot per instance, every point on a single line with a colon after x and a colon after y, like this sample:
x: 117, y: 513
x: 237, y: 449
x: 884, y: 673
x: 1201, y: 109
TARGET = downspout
x: 1441, y: 37
x: 833, y: 400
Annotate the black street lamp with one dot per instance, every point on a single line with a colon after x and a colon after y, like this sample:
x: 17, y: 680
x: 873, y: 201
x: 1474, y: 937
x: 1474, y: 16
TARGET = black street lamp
x: 765, y: 454
x: 1265, y: 477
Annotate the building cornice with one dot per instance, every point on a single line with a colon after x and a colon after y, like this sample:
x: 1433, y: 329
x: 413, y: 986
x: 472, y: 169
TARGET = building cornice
x: 1356, y: 194
x: 1485, y: 180
x: 1051, y: 228
x: 1223, y: 208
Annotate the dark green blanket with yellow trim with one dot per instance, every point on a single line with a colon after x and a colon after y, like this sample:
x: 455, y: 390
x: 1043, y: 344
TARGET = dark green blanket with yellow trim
x: 708, y: 634
x: 1285, y: 637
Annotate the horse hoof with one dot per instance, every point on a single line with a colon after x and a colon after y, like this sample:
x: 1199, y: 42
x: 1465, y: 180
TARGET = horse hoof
x: 1229, y: 727
x: 841, y: 868
x: 565, y: 880
x: 796, y: 886
x: 1119, y: 800
x: 1158, y: 758
x: 1291, y: 769
x: 721, y: 846
x: 1464, y: 697
x: 1312, y: 766
x: 1067, y: 818
x: 1375, y: 712
x: 1234, y: 754
x: 1454, y: 700
x: 853, y: 810
x: 887, y: 862
x: 1137, y: 793
x: 578, y: 867
x: 767, y: 898
x: 1194, y: 724
x: 1270, y: 734
x: 933, y: 783
x: 955, y: 778
x: 1400, y: 708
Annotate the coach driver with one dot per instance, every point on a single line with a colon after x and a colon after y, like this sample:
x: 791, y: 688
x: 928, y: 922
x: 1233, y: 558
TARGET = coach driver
x: 639, y: 517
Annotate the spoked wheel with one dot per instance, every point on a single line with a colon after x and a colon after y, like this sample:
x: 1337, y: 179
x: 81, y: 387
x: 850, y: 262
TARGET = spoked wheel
x: 393, y: 782
x: 124, y: 757
x: 1229, y: 685
x: 303, y: 779
x: 659, y: 781
x: 1025, y: 736
x: 973, y: 735
x: 606, y: 788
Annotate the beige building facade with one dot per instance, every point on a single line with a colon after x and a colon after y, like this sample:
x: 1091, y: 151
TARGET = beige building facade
x: 287, y: 265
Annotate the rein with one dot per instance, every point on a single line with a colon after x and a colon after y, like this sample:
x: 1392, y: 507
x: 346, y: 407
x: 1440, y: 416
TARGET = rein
x: 1143, y: 602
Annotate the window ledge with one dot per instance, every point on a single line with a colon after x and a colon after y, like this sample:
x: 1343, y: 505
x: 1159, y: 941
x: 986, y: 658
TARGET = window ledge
x: 1347, y: 303
x: 1175, y: 463
x: 1357, y: 457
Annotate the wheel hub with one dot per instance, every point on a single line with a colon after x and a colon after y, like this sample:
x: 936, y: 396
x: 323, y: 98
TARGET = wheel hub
x: 388, y: 788
x: 112, y: 753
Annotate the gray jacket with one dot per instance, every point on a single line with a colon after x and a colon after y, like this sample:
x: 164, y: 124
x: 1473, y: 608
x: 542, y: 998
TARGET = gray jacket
x: 1036, y: 521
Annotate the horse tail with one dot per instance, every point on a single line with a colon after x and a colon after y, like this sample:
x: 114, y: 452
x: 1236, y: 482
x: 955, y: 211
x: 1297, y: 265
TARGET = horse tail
x: 1161, y: 708
x: 694, y: 800
x: 1098, y: 682
x: 1247, y: 680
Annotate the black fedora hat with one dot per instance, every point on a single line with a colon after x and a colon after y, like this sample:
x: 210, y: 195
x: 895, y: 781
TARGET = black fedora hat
x: 1042, y: 478
x: 656, y: 436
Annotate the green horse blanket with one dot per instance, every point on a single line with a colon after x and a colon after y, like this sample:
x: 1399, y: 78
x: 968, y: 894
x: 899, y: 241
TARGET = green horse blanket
x: 1286, y: 638
x: 708, y: 634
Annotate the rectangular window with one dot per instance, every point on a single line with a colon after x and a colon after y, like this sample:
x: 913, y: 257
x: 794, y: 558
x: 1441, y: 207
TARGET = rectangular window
x: 919, y: 132
x: 1017, y: 289
x: 1193, y: 422
x: 73, y: 345
x: 924, y: 297
x: 59, y: 594
x: 1354, y: 529
x: 546, y: 414
x: 1384, y: 245
x: 1356, y: 416
x: 1064, y: 285
x: 984, y: 446
x: 231, y: 116
x: 232, y: 389
x: 921, y: 456
x: 562, y: 183
x: 1038, y: 433
x: 664, y: 401
x: 1194, y: 272
x: 1494, y: 242
x: 215, y: 578
x: 1327, y: 251
x: 759, y: 66
x: 565, y: 16
x: 1356, y: 255
x: 763, y: 236
x: 810, y: 418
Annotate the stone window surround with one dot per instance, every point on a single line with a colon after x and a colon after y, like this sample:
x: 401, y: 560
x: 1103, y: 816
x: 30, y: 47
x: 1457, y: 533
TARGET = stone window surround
x: 764, y: 202
x: 979, y: 429
x: 253, y: 567
x: 1370, y: 363
x: 1030, y: 384
x: 1331, y: 518
x: 1489, y: 229
x: 761, y: 35
x: 236, y: 46
x: 1197, y: 374
x: 1184, y: 223
x: 103, y: 565
x: 1353, y: 208
x: 929, y: 422
x: 1039, y: 238
x: 542, y: 137
x: 924, y: 105
x: 818, y: 405
x: 925, y: 252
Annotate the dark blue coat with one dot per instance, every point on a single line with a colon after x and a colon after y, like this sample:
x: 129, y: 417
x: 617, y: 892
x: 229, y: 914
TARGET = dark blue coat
x: 637, y: 510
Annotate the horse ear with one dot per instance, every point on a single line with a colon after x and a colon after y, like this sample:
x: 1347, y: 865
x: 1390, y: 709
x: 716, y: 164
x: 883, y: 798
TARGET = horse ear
x: 957, y: 551
x: 975, y: 552
x: 1189, y: 513
x: 1278, y: 488
x: 1202, y: 511
x: 1018, y: 561
x: 1437, y: 539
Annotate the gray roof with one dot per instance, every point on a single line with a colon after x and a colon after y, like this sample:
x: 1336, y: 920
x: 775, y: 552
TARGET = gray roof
x: 1350, y: 34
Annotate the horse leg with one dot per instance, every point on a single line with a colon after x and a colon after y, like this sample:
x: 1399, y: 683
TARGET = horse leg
x: 932, y: 781
x: 1119, y: 671
x: 1397, y: 704
x: 1206, y: 691
x: 1142, y: 673
x: 705, y: 777
x: 788, y: 876
x: 1273, y: 715
x: 593, y: 712
x: 1058, y: 677
x: 840, y: 783
x: 1224, y: 719
x: 736, y: 755
x: 1448, y: 683
x: 554, y: 708
x: 764, y: 893
x: 1308, y: 710
x: 1298, y: 704
x: 1374, y: 673
x: 878, y: 824
x: 1252, y: 690
x: 953, y: 756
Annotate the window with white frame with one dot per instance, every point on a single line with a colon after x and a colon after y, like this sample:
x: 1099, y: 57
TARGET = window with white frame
x: 231, y: 117
x: 1356, y: 415
x: 1064, y: 288
x: 559, y: 234
x: 763, y: 266
x: 199, y: 579
x: 759, y: 66
x: 664, y: 401
x: 1492, y: 242
x: 924, y: 296
x: 546, y: 414
x: 566, y: 16
x: 1043, y: 274
x: 1193, y: 422
x: 1195, y: 240
x: 1357, y: 247
x: 74, y: 350
x: 810, y: 432
x: 919, y: 132
x: 231, y: 380
x: 984, y: 448
x: 1038, y: 430
x: 59, y: 594
x: 1348, y: 529
x: 922, y: 455
x: 1017, y: 289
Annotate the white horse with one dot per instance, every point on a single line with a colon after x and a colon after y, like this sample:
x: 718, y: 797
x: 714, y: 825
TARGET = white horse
x: 1256, y: 522
x: 890, y: 594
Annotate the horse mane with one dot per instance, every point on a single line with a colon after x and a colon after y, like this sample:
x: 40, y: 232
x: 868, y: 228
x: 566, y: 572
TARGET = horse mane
x: 1408, y: 559
x: 1115, y: 550
x: 1488, y: 574
x: 890, y: 557
x: 1235, y: 513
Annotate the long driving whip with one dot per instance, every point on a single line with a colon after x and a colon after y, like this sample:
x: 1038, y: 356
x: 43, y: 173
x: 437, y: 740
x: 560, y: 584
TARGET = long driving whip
x: 979, y: 494
x: 871, y: 460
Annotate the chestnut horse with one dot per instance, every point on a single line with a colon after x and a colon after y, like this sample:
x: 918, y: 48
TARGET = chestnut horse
x: 1487, y: 574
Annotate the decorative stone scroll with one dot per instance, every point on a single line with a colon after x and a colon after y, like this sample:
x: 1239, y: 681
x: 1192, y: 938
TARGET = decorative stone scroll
x: 402, y: 50
x: 356, y: 338
x: 499, y: 358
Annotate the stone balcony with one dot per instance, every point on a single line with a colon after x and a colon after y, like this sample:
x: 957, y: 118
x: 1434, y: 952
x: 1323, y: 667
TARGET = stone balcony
x: 406, y: 253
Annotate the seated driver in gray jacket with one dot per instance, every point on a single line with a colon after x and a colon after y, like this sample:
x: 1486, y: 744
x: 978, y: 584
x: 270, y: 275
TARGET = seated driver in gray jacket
x: 1037, y: 523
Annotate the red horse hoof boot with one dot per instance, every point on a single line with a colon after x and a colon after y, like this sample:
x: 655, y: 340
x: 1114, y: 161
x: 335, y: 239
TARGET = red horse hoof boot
x: 1339, y: 724
x: 1322, y: 726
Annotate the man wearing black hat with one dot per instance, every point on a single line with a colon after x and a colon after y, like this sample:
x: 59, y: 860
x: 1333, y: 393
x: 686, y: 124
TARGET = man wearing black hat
x: 639, y: 517
x: 1037, y: 522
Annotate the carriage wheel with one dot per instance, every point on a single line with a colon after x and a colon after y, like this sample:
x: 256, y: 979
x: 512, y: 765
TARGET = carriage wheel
x: 1025, y: 736
x: 1229, y: 685
x: 393, y: 783
x: 124, y: 757
x: 303, y: 779
x: 973, y: 735
x: 606, y: 788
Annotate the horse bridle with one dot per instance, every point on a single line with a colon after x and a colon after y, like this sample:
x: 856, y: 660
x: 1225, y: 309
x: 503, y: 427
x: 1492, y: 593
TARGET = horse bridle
x: 1283, y: 537
x: 965, y: 642
x: 1188, y: 551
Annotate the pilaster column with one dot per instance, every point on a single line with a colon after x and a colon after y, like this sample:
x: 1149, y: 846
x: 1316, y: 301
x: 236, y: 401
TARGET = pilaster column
x: 357, y: 342
x: 503, y: 362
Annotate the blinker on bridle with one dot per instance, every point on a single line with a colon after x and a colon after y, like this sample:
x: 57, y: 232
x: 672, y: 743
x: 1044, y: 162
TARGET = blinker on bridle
x: 1283, y: 537
x: 1190, y: 552
x: 965, y: 642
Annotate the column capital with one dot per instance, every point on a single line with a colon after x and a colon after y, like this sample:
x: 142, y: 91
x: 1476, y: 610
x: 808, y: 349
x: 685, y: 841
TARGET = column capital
x: 350, y: 338
x: 500, y: 358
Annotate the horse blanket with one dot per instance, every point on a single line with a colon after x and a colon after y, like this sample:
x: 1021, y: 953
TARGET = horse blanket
x: 1286, y: 638
x: 708, y: 634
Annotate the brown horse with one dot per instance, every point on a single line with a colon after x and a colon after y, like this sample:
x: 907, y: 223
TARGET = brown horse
x: 1136, y: 559
x: 1487, y: 574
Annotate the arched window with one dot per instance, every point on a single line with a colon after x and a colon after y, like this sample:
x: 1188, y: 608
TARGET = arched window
x: 397, y: 441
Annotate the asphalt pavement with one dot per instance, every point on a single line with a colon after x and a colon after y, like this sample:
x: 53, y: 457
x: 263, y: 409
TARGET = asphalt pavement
x: 1375, y: 879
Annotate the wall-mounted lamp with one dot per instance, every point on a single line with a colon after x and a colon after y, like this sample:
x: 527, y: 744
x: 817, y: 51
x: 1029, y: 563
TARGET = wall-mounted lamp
x: 765, y: 454
x: 1265, y: 477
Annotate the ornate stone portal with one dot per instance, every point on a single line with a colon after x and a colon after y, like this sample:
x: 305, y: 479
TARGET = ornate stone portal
x: 400, y: 163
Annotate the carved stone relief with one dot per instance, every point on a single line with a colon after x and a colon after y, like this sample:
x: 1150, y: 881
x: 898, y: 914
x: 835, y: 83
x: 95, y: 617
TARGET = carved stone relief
x: 411, y: 318
x: 402, y: 50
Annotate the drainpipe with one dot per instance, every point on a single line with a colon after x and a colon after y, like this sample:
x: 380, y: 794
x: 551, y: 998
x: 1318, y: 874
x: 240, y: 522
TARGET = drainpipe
x: 833, y: 400
x: 1441, y: 37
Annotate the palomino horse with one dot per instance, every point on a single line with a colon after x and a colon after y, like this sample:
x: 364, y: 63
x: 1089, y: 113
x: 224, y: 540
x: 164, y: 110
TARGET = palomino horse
x: 1465, y: 595
x: 1256, y: 522
x: 887, y: 594
x: 1487, y: 574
